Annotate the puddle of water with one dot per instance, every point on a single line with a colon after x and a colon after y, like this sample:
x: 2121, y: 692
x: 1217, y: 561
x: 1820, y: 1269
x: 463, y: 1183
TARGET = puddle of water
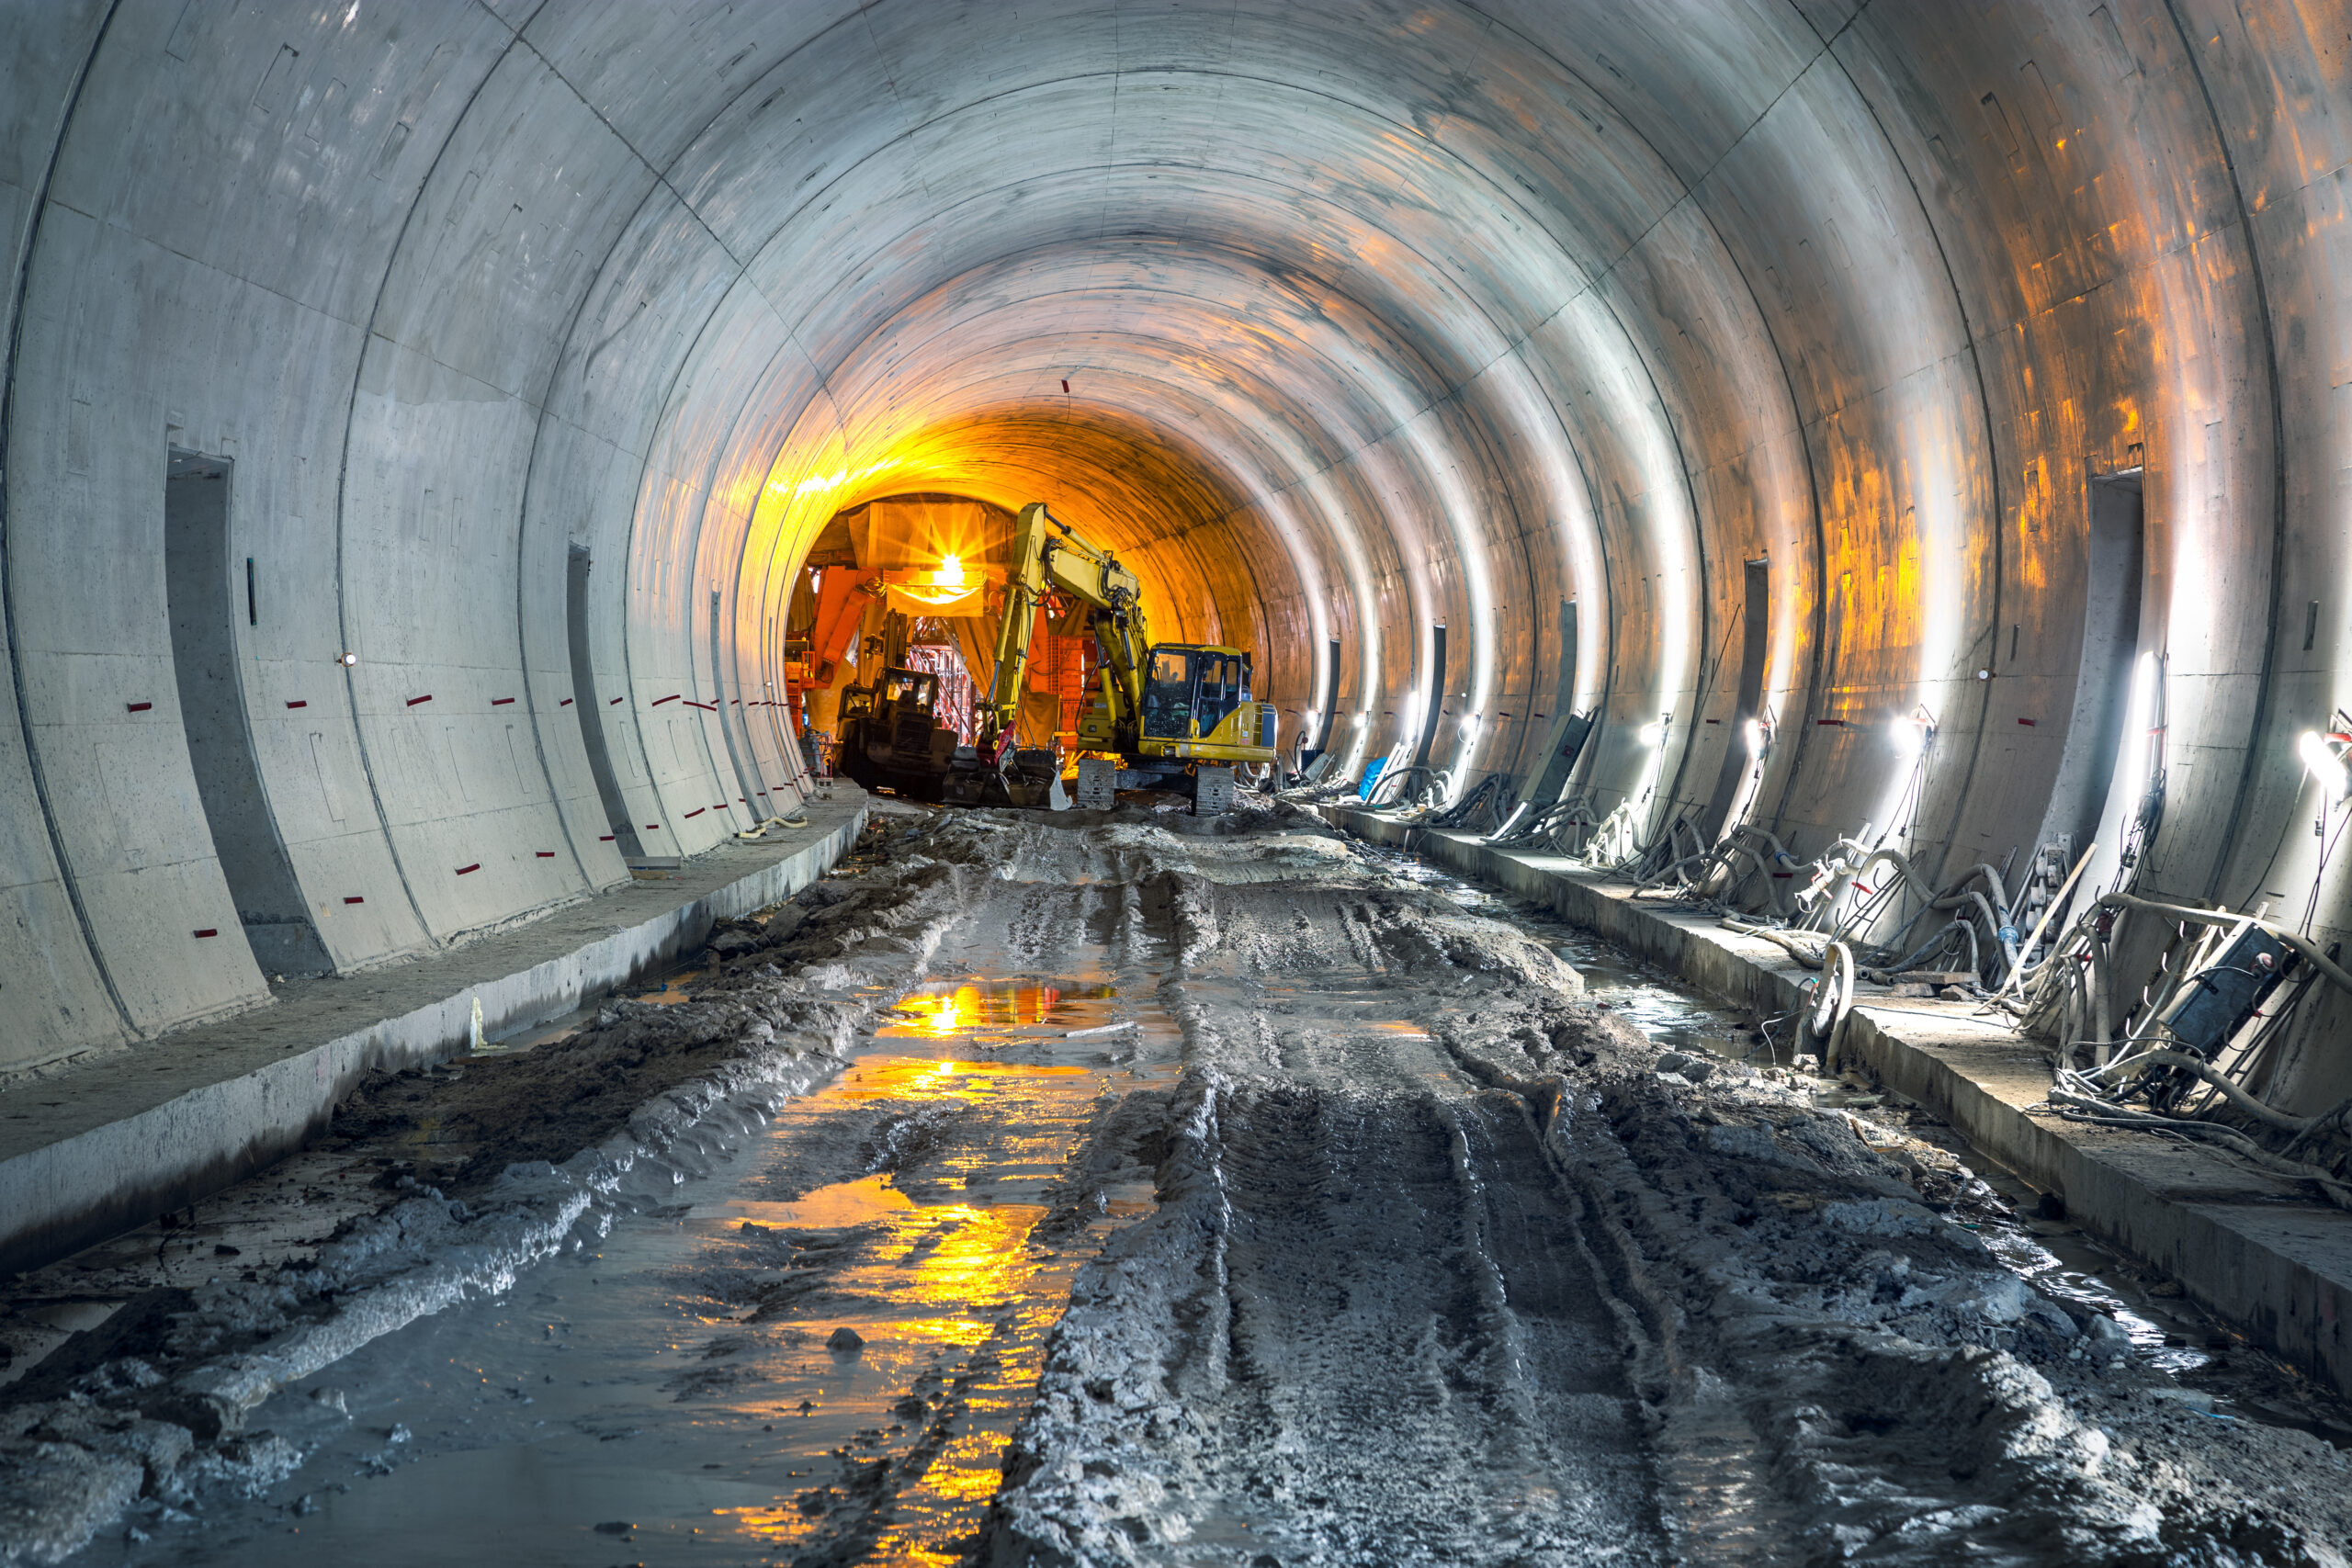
x: 679, y: 1378
x: 951, y: 1007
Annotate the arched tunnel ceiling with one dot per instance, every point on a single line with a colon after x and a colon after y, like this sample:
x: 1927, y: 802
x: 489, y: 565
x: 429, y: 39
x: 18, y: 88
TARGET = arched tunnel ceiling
x: 1373, y: 320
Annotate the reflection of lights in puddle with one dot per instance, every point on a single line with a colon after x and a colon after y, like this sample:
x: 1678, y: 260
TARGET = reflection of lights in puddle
x: 923, y: 1077
x: 966, y: 1257
x: 969, y: 1007
x: 767, y: 1521
x: 944, y: 1010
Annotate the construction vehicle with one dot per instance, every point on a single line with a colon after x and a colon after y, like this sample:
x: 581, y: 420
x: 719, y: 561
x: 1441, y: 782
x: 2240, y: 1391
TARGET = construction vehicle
x: 890, y: 736
x: 1174, y: 716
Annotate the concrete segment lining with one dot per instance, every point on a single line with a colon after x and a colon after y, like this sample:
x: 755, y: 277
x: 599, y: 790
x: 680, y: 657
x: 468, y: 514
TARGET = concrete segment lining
x: 1343, y: 322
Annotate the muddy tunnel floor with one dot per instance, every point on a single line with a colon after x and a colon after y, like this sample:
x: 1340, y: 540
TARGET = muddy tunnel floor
x: 1121, y: 1188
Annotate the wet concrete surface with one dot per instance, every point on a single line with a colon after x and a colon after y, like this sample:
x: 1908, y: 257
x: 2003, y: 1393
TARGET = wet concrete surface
x: 1107, y: 1190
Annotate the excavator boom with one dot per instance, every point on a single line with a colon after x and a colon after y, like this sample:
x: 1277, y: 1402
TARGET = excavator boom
x: 1043, y: 561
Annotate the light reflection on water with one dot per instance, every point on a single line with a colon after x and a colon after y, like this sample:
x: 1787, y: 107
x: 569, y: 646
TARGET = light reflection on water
x: 677, y: 1377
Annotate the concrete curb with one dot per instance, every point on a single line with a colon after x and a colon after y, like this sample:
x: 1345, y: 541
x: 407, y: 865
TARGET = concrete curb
x: 97, y: 1181
x: 2269, y: 1259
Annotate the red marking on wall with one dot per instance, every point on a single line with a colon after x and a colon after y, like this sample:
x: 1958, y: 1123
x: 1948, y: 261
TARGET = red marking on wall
x: 1838, y: 722
x: 546, y: 854
x: 605, y: 839
x: 706, y: 707
x: 653, y: 827
x: 426, y: 698
x: 671, y: 698
x: 1714, y: 721
x: 465, y: 869
x: 614, y: 703
x: 354, y: 898
x: 209, y: 930
x: 1065, y: 387
x: 2027, y: 722
x: 697, y: 812
x: 299, y: 703
x: 139, y: 708
x: 565, y: 704
x: 500, y: 702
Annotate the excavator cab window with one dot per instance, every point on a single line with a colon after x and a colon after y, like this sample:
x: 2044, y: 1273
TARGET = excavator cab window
x: 1184, y: 685
x: 1225, y: 685
x: 1168, y: 693
x: 911, y: 687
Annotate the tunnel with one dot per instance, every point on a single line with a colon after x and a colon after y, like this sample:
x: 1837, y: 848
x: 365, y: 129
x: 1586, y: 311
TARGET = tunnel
x: 421, y: 421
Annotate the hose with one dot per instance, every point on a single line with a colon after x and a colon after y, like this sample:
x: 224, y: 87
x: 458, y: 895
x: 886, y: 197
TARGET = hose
x: 1373, y: 802
x: 2302, y: 944
x: 1811, y: 958
x: 2159, y: 1057
x: 1831, y: 1003
x: 2090, y: 1108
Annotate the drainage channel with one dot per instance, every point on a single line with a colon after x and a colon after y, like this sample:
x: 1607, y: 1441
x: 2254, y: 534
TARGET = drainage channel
x: 807, y: 1344
x: 2025, y: 1230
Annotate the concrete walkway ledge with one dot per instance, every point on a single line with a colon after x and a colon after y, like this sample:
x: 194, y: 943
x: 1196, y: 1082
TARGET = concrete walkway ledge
x: 112, y: 1142
x: 2264, y: 1254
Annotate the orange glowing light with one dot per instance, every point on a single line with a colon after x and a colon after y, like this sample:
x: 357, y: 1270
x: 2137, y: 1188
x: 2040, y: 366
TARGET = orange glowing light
x: 937, y: 1015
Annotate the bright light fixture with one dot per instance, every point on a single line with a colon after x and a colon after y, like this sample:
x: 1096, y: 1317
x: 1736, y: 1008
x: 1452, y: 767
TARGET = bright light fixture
x: 350, y: 658
x: 2322, y: 762
x: 1756, y: 737
x: 1911, y: 734
x: 950, y: 573
x: 1653, y: 732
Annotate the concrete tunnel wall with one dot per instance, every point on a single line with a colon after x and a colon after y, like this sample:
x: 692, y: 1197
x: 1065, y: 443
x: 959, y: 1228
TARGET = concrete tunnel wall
x: 1373, y: 318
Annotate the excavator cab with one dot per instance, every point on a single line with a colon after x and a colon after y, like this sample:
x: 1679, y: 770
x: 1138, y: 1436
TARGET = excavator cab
x: 1188, y: 691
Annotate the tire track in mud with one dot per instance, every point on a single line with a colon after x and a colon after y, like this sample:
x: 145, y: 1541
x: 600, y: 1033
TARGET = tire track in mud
x: 1409, y: 1292
x: 1446, y: 1268
x: 1397, y: 1348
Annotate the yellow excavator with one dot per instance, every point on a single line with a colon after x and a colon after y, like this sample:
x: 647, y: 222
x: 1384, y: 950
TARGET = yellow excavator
x: 1174, y: 716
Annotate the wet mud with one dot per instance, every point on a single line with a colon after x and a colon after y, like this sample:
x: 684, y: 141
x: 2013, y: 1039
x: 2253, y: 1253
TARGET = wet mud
x: 1128, y: 1187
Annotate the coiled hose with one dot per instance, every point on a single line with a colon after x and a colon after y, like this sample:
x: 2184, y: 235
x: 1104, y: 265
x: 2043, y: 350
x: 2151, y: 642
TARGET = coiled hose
x: 1833, y: 999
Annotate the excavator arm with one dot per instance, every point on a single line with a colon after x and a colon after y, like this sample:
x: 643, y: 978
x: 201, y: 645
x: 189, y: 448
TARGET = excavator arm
x: 1048, y: 556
